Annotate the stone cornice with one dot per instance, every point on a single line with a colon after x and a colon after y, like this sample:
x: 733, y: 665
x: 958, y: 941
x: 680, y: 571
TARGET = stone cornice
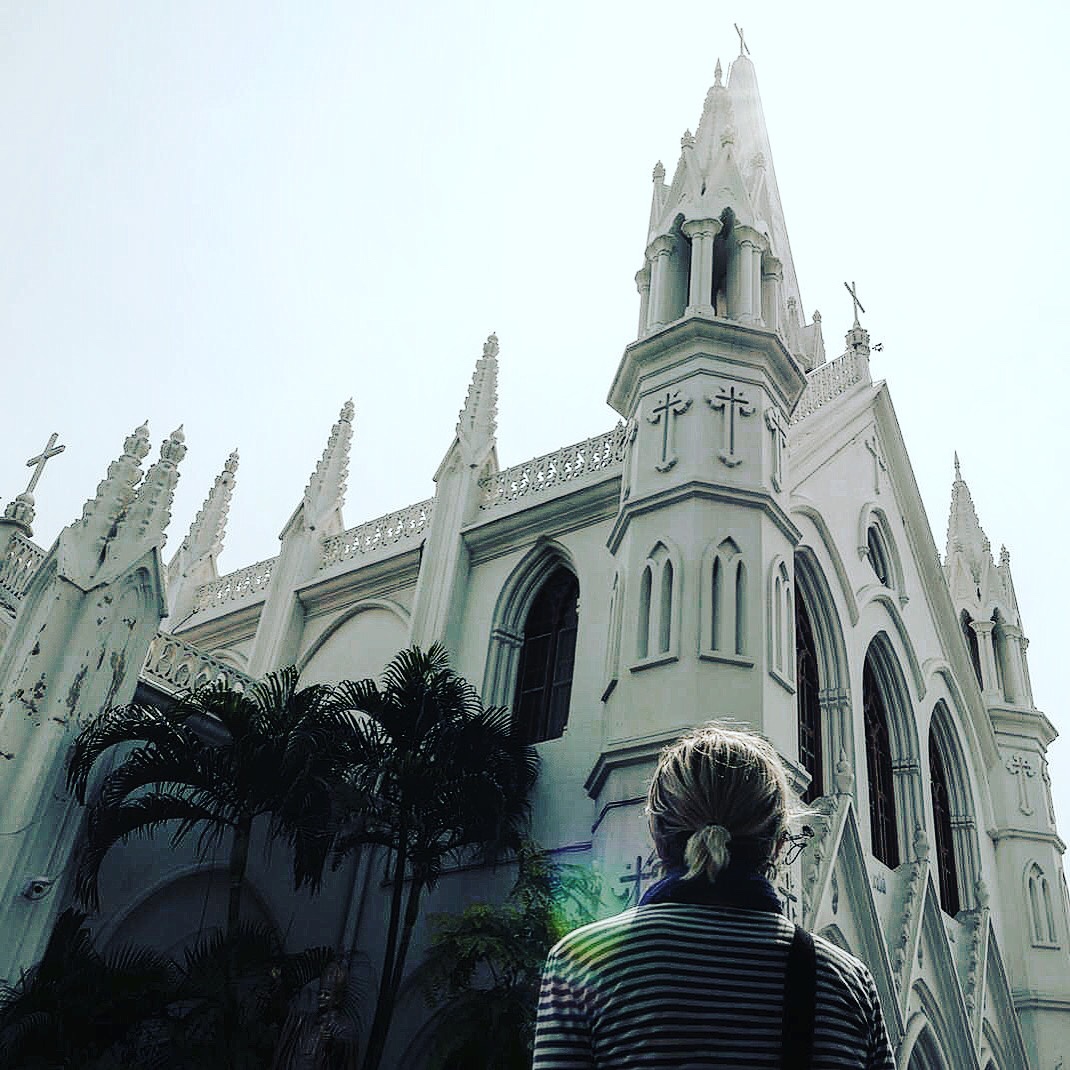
x: 710, y: 492
x: 1053, y: 839
x: 551, y: 514
x: 1023, y: 723
x: 620, y: 754
x: 739, y: 343
x: 325, y: 594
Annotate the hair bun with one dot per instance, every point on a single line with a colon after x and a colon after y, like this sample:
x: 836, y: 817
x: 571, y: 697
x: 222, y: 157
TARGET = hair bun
x: 707, y: 851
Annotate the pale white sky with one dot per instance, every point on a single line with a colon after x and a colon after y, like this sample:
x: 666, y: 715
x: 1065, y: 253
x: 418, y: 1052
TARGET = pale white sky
x: 234, y: 216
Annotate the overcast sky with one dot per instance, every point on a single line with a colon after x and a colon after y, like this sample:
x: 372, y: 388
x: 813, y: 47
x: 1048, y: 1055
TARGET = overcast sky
x: 236, y: 215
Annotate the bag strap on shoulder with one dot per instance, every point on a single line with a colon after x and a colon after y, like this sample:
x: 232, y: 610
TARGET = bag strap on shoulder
x: 800, y: 994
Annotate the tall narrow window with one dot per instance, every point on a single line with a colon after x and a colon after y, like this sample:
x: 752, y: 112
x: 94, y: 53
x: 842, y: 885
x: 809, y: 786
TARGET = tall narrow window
x: 1041, y: 908
x: 882, y: 823
x: 665, y: 616
x: 642, y: 646
x: 741, y: 608
x: 971, y: 644
x: 809, y: 706
x: 717, y: 612
x: 878, y: 556
x: 947, y: 870
x: 778, y: 624
x: 544, y: 683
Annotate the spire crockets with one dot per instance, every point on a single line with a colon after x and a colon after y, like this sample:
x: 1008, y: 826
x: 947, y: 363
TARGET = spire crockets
x: 326, y: 488
x: 479, y: 417
x: 205, y: 536
x: 129, y: 514
x: 965, y: 536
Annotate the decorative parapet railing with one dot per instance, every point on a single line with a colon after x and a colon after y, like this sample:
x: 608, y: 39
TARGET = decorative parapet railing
x: 830, y: 381
x: 22, y: 560
x: 598, y: 454
x: 235, y: 586
x: 174, y: 665
x: 407, y: 523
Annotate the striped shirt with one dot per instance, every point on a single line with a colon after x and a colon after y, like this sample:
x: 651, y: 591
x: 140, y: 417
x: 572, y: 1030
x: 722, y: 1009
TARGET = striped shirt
x: 676, y: 987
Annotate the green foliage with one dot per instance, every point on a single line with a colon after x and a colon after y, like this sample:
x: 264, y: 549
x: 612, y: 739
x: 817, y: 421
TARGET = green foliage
x: 484, y: 966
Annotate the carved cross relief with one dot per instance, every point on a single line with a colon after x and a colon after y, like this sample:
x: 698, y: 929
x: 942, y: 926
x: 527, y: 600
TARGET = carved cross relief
x: 879, y: 463
x: 639, y: 874
x: 1019, y: 766
x: 775, y: 422
x: 729, y: 400
x: 786, y: 891
x: 665, y: 413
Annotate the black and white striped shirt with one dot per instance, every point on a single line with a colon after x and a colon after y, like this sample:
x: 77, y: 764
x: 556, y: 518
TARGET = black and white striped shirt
x: 677, y: 987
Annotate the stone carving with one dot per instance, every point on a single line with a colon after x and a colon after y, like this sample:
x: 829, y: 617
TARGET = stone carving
x: 406, y: 523
x: 915, y: 884
x: 879, y: 463
x: 825, y: 810
x: 598, y: 454
x: 665, y: 413
x: 1019, y: 766
x: 830, y: 381
x: 637, y: 877
x: 235, y: 586
x: 22, y: 560
x: 779, y: 430
x: 729, y: 399
x: 975, y: 936
x: 174, y: 666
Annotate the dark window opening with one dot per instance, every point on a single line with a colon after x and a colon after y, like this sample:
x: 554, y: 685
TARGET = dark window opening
x: 809, y: 706
x: 882, y: 823
x: 544, y: 682
x: 878, y: 556
x: 945, y: 844
x: 971, y: 644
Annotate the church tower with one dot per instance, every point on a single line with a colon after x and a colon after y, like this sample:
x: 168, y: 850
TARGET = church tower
x: 703, y: 612
x: 1029, y: 851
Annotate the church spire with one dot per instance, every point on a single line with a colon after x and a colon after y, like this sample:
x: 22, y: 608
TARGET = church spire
x: 205, y: 536
x: 326, y: 488
x: 965, y: 535
x: 479, y: 417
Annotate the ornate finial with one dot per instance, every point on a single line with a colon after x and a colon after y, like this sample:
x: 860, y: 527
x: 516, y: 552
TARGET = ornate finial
x: 817, y: 316
x: 137, y: 444
x: 1004, y: 556
x: 854, y: 297
x: 845, y: 778
x: 717, y: 73
x: 490, y: 346
x: 231, y: 464
x: 921, y: 842
x: 743, y: 49
x: 981, y: 893
x: 174, y: 448
x: 958, y: 470
x: 688, y: 140
x: 728, y: 136
x: 347, y: 411
x: 21, y: 509
x: 659, y: 172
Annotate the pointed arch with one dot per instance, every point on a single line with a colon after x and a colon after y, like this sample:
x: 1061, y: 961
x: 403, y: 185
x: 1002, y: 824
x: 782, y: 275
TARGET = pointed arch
x: 724, y: 620
x: 780, y: 614
x: 658, y: 612
x: 616, y: 616
x: 813, y: 597
x: 883, y: 599
x: 801, y: 507
x: 877, y: 545
x: 1041, y: 906
x: 511, y: 610
x: 891, y: 745
x: 956, y: 855
x: 808, y: 703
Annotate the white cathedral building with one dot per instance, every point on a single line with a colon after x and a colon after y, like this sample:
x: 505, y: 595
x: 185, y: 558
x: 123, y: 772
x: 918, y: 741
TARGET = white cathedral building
x: 747, y: 542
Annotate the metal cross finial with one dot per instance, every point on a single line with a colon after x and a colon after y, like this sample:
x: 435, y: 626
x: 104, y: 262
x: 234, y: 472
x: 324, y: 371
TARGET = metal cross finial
x: 854, y: 297
x: 38, y: 463
x: 743, y: 49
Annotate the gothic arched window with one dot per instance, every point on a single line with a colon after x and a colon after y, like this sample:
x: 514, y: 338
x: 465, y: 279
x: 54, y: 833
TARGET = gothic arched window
x: 656, y: 633
x: 544, y: 682
x: 972, y: 646
x: 809, y: 706
x: 878, y: 555
x: 1041, y: 908
x: 882, y: 823
x: 947, y: 870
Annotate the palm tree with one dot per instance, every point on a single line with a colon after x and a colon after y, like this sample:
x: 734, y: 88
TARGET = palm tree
x: 213, y: 762
x: 75, y: 1008
x: 431, y: 776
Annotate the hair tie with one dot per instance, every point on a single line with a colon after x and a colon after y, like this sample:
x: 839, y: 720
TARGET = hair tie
x: 707, y: 851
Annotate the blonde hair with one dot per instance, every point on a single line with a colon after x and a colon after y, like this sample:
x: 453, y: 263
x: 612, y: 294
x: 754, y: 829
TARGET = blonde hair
x: 718, y: 792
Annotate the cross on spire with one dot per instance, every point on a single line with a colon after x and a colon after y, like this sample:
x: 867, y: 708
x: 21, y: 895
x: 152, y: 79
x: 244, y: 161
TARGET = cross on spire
x: 854, y: 298
x: 743, y: 49
x: 38, y: 463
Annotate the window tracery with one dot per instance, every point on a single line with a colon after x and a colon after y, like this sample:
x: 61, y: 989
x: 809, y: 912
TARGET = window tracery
x: 656, y: 633
x: 882, y: 817
x: 1041, y: 908
x: 724, y: 600
x: 946, y: 863
x: 808, y: 702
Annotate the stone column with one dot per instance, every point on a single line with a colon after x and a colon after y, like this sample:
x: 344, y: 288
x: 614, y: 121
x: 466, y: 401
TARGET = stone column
x: 700, y: 293
x: 642, y: 284
x: 1014, y: 685
x: 659, y: 255
x: 989, y: 679
x: 772, y: 279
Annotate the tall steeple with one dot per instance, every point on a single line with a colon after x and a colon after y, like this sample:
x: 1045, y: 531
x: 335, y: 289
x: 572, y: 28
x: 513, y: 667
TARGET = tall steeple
x: 968, y: 556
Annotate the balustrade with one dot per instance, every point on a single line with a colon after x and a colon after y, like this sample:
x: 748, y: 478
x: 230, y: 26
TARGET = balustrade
x: 22, y: 560
x: 174, y: 666
x: 406, y: 523
x: 598, y: 454
x: 235, y: 586
x: 830, y: 381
